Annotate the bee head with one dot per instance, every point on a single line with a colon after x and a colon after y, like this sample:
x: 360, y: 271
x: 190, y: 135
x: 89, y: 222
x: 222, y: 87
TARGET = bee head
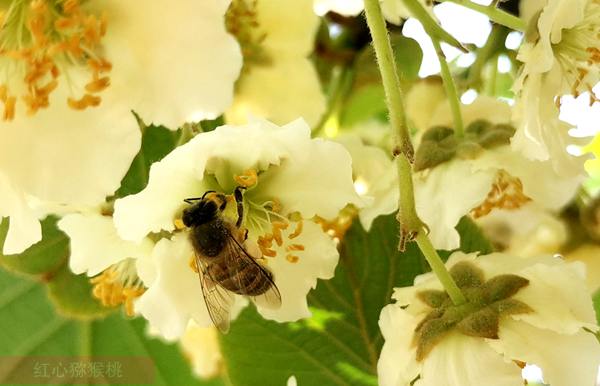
x: 200, y: 213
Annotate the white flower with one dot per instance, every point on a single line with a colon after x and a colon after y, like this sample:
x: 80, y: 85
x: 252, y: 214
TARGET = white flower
x: 280, y: 40
x: 560, y: 57
x: 97, y: 250
x: 288, y: 173
x: 497, y: 178
x: 547, y: 327
x: 92, y: 71
x: 394, y: 11
x: 201, y: 346
x: 375, y: 179
x: 527, y: 231
x: 588, y: 254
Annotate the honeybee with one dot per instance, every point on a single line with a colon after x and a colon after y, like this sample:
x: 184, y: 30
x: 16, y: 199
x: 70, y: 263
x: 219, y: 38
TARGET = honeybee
x: 225, y: 267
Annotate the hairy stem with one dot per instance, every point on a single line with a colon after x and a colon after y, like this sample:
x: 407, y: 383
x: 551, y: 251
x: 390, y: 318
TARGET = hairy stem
x: 439, y: 269
x: 450, y: 87
x: 411, y: 226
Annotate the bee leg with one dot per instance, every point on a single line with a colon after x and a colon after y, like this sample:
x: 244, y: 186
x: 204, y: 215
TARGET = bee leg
x: 192, y: 199
x: 239, y: 199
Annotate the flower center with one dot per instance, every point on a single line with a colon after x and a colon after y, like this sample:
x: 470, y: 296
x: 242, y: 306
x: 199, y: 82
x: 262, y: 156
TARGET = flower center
x: 241, y: 21
x: 118, y: 285
x: 272, y: 225
x: 506, y: 193
x: 578, y: 52
x: 42, y: 39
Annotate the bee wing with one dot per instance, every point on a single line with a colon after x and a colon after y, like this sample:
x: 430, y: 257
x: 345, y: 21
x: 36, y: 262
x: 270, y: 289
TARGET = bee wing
x: 218, y: 300
x: 271, y: 298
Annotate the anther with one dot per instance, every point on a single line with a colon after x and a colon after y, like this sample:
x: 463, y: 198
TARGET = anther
x: 292, y: 258
x: 294, y: 247
x: 297, y: 231
x: 247, y: 179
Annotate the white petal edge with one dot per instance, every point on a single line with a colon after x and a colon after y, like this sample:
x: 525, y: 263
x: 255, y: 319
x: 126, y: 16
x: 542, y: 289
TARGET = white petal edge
x: 295, y: 280
x: 95, y: 245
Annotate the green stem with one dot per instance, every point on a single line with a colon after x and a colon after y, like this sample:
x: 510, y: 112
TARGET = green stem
x: 493, y: 45
x: 390, y: 78
x: 341, y: 80
x: 450, y: 87
x: 411, y: 225
x: 439, y: 269
x: 495, y: 14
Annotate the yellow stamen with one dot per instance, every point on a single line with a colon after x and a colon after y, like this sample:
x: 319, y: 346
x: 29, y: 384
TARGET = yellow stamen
x: 86, y: 101
x: 506, y: 193
x: 40, y: 37
x: 193, y: 265
x: 297, y: 231
x: 247, y: 179
x: 109, y: 288
x: 292, y: 258
x: 178, y: 223
x: 294, y: 247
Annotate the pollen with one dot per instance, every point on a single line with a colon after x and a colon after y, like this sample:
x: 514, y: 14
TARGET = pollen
x: 294, y: 247
x: 115, y: 287
x: 278, y: 226
x: 338, y: 227
x: 178, y: 223
x: 292, y: 258
x: 247, y: 179
x: 297, y: 231
x: 506, y: 193
x: 39, y: 39
x: 265, y: 243
x: 193, y: 265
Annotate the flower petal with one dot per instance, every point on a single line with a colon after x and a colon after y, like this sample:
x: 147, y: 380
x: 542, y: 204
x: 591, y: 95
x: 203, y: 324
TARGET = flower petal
x: 268, y: 91
x: 442, y: 198
x: 294, y: 280
x: 559, y: 297
x: 397, y: 365
x: 301, y: 186
x: 95, y: 245
x: 24, y: 228
x: 176, y: 295
x: 72, y: 157
x: 461, y: 360
x: 193, y: 64
x: 565, y: 359
x: 375, y: 179
x: 290, y: 29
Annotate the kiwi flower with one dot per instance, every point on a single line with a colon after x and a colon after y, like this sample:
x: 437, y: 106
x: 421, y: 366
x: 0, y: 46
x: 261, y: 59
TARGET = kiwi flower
x: 75, y: 70
x: 284, y: 192
x: 276, y: 41
x: 561, y: 56
x: 519, y: 311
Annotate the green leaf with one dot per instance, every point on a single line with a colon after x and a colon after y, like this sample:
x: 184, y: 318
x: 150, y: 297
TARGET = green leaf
x: 341, y: 343
x: 47, y: 255
x: 30, y: 327
x: 367, y: 98
x: 472, y: 238
x: 157, y: 141
x: 72, y: 295
x: 48, y: 261
x: 408, y: 54
x: 365, y: 103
